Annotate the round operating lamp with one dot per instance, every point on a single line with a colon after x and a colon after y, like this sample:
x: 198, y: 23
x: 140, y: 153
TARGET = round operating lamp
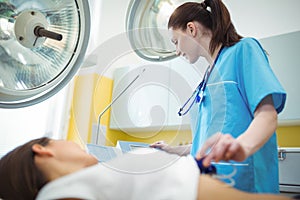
x: 146, y: 26
x: 42, y: 45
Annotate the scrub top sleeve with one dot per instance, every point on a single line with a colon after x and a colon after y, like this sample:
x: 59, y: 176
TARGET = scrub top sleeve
x: 255, y: 77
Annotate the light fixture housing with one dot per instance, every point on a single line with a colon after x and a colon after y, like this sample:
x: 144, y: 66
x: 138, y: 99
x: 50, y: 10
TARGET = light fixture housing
x: 146, y: 26
x: 42, y: 46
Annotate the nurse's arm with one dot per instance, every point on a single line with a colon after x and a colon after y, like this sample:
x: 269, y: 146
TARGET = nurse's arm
x: 261, y: 128
x: 181, y: 150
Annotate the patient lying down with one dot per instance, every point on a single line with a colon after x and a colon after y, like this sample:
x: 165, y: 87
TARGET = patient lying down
x: 56, y: 169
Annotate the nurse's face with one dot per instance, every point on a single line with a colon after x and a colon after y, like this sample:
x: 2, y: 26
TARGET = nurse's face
x: 185, y: 43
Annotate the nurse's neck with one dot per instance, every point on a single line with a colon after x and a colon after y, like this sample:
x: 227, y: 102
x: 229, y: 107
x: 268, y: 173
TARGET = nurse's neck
x: 212, y: 58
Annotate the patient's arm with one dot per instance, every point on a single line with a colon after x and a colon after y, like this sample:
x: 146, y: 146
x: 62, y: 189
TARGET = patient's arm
x: 210, y: 188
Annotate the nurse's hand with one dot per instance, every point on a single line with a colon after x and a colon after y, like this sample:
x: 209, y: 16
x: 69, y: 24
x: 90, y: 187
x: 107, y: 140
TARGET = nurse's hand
x: 182, y: 150
x: 221, y: 147
x: 159, y: 145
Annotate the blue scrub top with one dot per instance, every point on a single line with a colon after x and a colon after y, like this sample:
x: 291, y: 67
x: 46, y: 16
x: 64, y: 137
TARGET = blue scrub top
x: 241, y: 78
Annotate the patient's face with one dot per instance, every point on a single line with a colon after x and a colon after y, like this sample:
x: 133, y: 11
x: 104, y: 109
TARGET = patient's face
x: 68, y: 151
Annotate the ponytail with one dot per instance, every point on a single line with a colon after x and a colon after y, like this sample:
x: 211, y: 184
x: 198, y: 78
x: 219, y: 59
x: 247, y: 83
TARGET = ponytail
x: 222, y: 28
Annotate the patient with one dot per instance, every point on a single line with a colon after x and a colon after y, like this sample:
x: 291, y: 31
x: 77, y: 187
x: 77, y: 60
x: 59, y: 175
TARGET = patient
x: 56, y: 169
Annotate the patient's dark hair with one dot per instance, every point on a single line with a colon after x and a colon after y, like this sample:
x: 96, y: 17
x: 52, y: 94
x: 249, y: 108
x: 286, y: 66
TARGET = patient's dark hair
x: 19, y: 176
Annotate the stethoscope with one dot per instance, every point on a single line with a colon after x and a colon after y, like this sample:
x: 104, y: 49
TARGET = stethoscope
x: 199, y: 91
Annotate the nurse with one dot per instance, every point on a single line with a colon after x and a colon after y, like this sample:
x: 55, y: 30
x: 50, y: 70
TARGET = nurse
x: 234, y: 109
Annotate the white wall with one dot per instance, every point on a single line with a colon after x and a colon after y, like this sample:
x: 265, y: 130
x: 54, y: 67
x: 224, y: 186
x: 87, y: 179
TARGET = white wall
x: 252, y: 18
x: 256, y: 18
x: 49, y: 118
x: 264, y: 18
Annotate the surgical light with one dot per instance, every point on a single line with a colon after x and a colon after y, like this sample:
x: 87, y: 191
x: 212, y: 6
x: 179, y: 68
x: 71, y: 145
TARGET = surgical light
x: 42, y: 45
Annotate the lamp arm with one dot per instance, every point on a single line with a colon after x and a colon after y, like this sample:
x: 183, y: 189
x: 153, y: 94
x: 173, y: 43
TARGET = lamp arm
x: 113, y: 101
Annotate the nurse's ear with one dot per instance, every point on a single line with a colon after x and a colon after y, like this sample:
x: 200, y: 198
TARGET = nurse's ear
x: 191, y: 29
x: 41, y: 150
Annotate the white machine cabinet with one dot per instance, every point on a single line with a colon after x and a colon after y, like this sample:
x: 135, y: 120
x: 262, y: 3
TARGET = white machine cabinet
x: 289, y: 169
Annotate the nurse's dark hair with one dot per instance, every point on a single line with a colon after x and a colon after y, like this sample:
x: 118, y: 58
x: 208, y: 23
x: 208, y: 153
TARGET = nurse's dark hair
x: 213, y: 15
x: 19, y: 176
